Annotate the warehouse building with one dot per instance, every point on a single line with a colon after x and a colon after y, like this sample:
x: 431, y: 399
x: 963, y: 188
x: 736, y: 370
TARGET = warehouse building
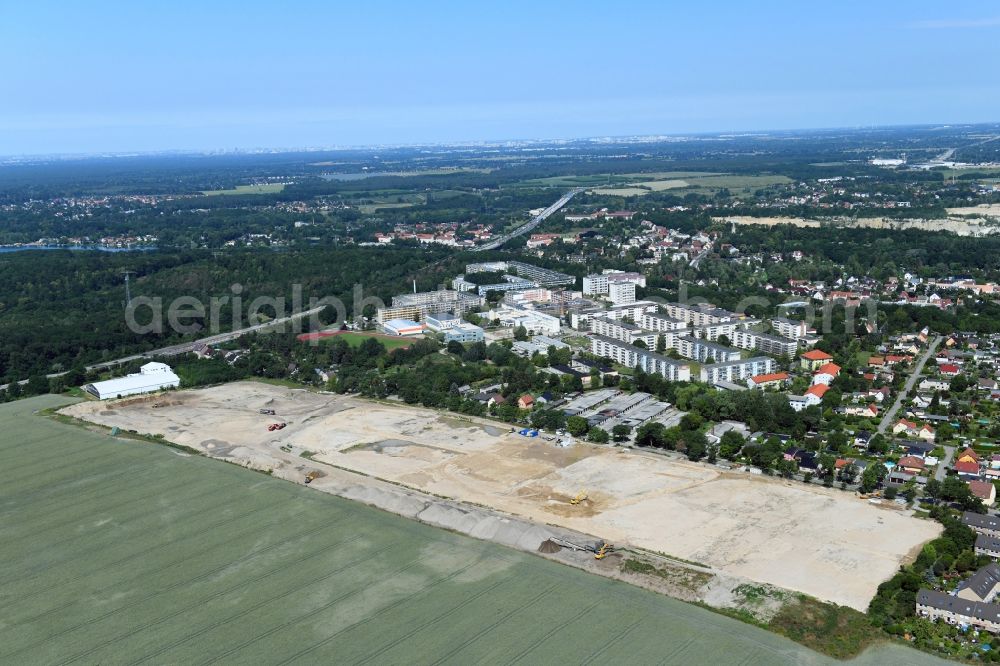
x: 403, y: 327
x: 464, y: 332
x: 151, y: 377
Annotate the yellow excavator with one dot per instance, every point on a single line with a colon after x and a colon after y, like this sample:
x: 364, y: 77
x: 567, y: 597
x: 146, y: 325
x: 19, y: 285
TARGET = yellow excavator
x: 580, y: 496
x: 602, y: 552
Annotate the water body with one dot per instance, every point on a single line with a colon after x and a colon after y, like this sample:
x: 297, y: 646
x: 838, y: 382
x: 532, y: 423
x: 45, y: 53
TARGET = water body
x: 73, y: 248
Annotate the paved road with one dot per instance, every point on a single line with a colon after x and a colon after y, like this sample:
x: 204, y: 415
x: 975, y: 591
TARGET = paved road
x: 701, y: 255
x: 949, y: 453
x: 184, y: 348
x: 888, y: 417
x: 535, y: 221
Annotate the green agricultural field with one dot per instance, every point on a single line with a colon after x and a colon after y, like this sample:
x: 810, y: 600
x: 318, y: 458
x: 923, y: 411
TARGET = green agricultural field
x: 266, y: 188
x: 123, y: 551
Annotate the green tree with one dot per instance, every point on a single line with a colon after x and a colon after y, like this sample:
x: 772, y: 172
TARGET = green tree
x: 872, y: 477
x: 731, y: 444
x: 597, y: 435
x: 577, y: 426
x: 621, y: 432
x: 651, y: 433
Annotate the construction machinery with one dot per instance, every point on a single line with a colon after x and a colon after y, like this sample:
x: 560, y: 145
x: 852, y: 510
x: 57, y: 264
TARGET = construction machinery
x: 276, y: 426
x: 580, y: 496
x: 602, y: 552
x: 311, y: 476
x: 269, y: 412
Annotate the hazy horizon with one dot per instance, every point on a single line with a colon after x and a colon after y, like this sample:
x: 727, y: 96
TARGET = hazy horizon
x: 119, y: 78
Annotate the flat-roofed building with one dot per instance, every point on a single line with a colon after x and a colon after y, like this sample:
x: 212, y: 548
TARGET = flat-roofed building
x: 789, y: 328
x: 633, y: 357
x: 621, y: 293
x: 698, y: 315
x: 151, y: 377
x: 763, y: 342
x: 737, y: 372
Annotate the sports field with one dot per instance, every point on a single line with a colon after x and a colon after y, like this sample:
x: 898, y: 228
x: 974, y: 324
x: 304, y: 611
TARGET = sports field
x: 355, y: 339
x: 120, y: 551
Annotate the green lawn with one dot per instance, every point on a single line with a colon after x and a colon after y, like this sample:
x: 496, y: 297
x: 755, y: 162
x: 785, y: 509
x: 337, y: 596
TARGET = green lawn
x: 266, y: 188
x: 355, y: 339
x: 122, y: 551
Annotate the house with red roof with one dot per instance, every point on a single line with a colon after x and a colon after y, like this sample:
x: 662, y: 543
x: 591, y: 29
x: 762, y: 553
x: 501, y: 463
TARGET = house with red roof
x: 968, y: 455
x: 911, y: 464
x: 985, y: 491
x: 826, y: 373
x: 966, y: 469
x: 775, y: 379
x: 815, y: 394
x: 814, y: 358
x: 525, y: 402
x: 865, y: 411
x: 949, y: 369
x: 909, y: 427
x: 926, y: 433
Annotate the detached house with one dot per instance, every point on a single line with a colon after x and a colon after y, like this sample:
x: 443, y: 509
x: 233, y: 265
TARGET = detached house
x: 826, y: 373
x: 814, y: 359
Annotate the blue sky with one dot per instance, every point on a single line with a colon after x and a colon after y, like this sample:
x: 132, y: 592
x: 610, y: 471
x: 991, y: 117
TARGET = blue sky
x: 144, y: 75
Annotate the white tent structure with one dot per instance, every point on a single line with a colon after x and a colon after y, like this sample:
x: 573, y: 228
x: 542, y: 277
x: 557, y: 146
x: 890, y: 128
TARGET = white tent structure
x: 151, y: 377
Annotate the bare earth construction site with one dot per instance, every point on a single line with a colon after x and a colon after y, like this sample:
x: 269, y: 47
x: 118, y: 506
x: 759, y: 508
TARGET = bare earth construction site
x: 825, y: 543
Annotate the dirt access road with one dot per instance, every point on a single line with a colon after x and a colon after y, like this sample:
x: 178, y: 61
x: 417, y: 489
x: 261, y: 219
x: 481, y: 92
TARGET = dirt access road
x: 823, y: 542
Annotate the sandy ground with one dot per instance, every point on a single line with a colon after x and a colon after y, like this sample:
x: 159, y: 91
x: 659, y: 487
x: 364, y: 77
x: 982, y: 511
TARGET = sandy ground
x: 822, y: 542
x: 980, y: 226
x: 982, y: 210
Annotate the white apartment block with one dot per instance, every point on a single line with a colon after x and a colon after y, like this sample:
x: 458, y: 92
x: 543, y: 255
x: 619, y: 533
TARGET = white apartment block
x: 622, y: 293
x: 703, y: 350
x: 789, y: 328
x: 623, y: 331
x: 633, y: 357
x: 633, y: 311
x: 597, y: 284
x: 737, y: 372
x: 713, y: 331
x: 762, y: 342
x: 698, y: 315
x: 654, y: 321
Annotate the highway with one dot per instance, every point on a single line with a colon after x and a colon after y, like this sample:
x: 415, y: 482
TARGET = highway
x: 888, y: 417
x: 186, y: 347
x: 535, y: 221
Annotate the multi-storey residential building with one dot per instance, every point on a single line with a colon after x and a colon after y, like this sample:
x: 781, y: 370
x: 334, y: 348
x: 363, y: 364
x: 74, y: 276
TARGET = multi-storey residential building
x: 418, y: 305
x: 621, y: 293
x: 737, y: 371
x: 703, y: 350
x: 789, y: 328
x: 597, y: 284
x: 654, y: 321
x: 542, y: 277
x: 713, y: 331
x: 624, y: 331
x: 633, y: 357
x: 762, y: 342
x: 633, y: 311
x: 698, y: 315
